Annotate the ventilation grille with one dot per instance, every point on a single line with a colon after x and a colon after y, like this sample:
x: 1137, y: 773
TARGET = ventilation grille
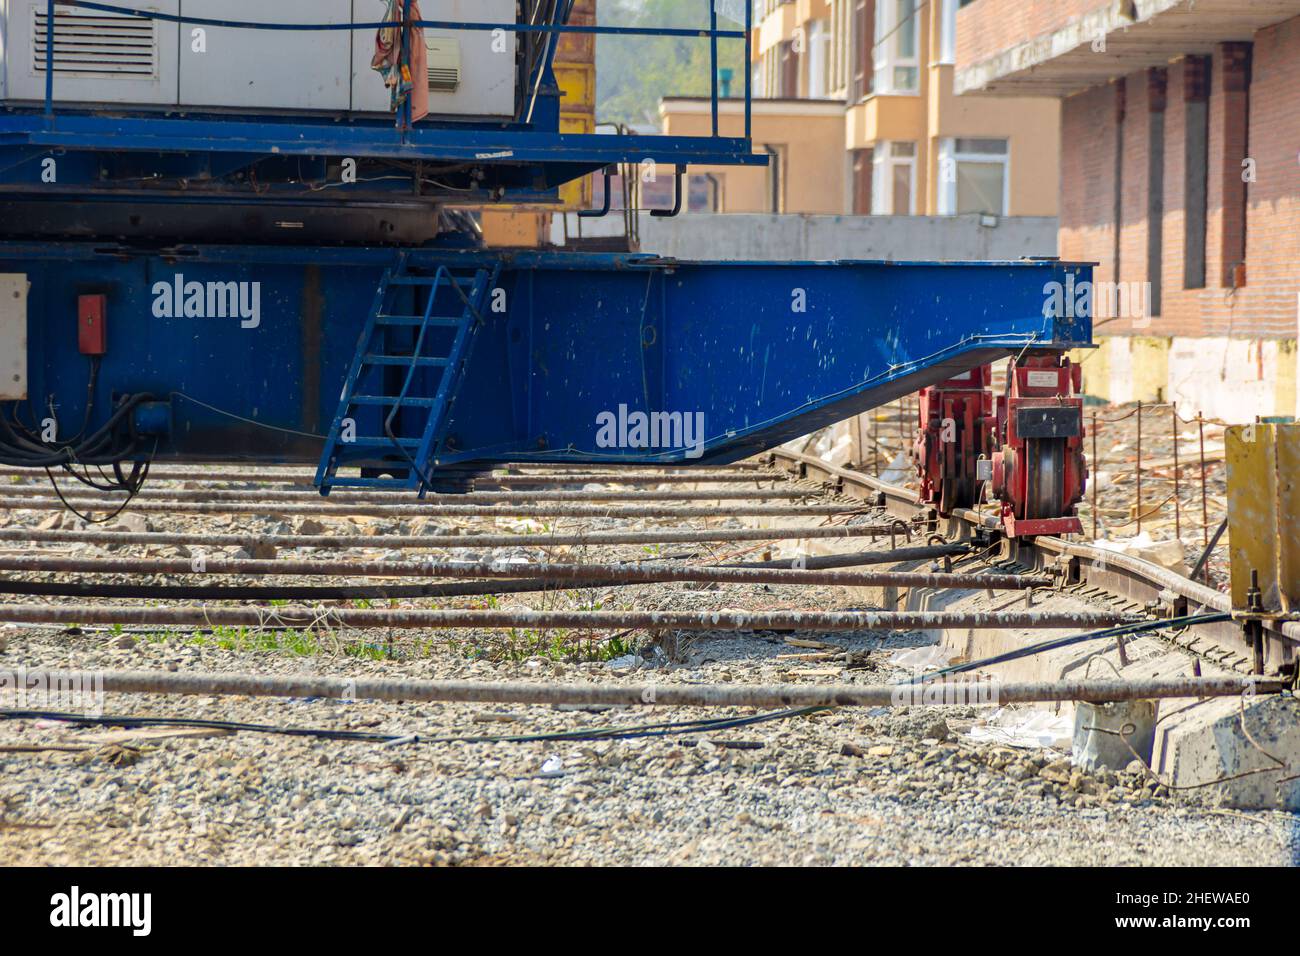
x: 95, y: 45
x: 444, y: 64
x: 443, y: 80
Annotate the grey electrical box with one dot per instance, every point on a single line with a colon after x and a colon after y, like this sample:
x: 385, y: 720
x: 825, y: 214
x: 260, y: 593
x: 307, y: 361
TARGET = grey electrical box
x: 13, y: 336
x: 267, y: 69
x: 99, y: 57
x: 108, y: 58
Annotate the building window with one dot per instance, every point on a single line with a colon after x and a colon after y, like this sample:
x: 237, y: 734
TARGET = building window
x: 819, y: 60
x: 897, y: 67
x: 864, y: 18
x: 974, y: 177
x: 841, y: 47
x: 788, y: 55
x: 893, y: 188
x: 704, y: 192
x: 863, y: 171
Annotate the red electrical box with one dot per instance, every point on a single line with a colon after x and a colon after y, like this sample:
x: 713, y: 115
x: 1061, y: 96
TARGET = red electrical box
x: 92, y: 324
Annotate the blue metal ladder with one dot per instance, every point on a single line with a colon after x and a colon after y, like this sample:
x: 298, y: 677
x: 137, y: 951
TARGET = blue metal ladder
x: 405, y: 377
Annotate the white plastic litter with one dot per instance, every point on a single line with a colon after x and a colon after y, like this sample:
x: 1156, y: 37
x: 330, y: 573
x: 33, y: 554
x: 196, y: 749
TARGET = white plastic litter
x: 626, y: 662
x: 553, y: 766
x: 1025, y: 728
x: 899, y: 470
x: 1167, y: 554
x: 927, y: 658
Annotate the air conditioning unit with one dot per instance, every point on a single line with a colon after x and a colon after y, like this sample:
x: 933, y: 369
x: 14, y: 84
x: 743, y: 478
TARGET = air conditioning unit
x: 444, y: 63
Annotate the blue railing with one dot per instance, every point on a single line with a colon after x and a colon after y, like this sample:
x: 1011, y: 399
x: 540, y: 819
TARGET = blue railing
x: 404, y: 119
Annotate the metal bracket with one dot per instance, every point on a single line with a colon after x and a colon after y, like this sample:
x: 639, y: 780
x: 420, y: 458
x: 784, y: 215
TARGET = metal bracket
x: 677, y: 198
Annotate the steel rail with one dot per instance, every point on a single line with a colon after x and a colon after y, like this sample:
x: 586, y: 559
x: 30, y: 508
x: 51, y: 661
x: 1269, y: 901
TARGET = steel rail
x: 1122, y: 574
x: 644, y: 573
x: 641, y: 694
x: 404, y: 542
x: 323, y: 507
x: 1196, y: 593
x: 359, y: 619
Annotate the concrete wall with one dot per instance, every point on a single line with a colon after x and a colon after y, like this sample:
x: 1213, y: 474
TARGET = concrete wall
x: 761, y: 237
x: 1233, y: 379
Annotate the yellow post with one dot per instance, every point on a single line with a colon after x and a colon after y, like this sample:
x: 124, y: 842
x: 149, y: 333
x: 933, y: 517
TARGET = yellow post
x: 1264, y: 513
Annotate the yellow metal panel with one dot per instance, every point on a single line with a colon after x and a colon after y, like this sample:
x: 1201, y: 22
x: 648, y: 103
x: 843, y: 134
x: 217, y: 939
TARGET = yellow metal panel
x: 577, y: 82
x: 1264, y: 512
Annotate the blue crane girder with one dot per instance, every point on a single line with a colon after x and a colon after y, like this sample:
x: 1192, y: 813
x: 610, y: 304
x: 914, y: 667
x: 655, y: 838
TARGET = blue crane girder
x: 571, y: 349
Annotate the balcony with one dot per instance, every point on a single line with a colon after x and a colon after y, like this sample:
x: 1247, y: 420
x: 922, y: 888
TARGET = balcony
x: 1059, y: 47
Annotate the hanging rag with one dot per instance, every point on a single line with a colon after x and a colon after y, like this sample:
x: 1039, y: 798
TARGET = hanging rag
x: 398, y: 74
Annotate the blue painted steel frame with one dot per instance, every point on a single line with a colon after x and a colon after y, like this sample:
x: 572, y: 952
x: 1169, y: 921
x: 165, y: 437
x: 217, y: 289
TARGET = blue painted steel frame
x: 765, y: 351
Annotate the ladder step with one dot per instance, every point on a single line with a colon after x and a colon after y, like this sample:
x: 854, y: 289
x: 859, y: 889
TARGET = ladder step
x: 428, y: 281
x: 392, y: 400
x: 337, y: 482
x: 446, y: 321
x: 373, y: 358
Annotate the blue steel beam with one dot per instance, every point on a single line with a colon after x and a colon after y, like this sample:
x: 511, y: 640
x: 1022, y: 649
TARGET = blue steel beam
x: 302, y: 137
x: 764, y: 352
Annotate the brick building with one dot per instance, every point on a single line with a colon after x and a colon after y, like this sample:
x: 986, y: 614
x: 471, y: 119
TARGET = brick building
x: 1180, y: 175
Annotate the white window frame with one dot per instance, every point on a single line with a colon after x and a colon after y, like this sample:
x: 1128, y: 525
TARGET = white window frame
x: 819, y: 59
x: 883, y: 162
x: 887, y: 58
x: 948, y: 32
x: 949, y: 159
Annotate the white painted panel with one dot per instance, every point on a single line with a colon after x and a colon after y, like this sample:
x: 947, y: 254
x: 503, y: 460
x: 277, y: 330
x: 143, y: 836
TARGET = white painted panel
x: 267, y: 69
x: 487, y: 84
x: 13, y: 336
x: 99, y: 57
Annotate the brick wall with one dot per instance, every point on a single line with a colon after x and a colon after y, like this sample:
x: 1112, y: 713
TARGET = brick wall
x: 986, y: 28
x: 1267, y: 306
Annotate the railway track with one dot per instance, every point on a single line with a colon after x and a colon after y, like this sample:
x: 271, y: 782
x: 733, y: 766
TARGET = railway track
x: 246, y: 684
x: 556, y: 514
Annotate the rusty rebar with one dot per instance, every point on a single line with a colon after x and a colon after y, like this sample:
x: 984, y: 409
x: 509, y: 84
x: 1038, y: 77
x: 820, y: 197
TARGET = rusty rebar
x: 297, y: 477
x: 645, y: 573
x: 1137, y: 468
x: 1096, y: 467
x: 403, y: 542
x: 1205, y: 501
x: 1178, y: 508
x: 360, y: 619
x: 388, y: 498
x: 369, y: 509
x: 666, y: 694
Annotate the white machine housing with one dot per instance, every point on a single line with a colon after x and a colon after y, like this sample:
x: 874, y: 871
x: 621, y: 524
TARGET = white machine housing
x: 112, y: 59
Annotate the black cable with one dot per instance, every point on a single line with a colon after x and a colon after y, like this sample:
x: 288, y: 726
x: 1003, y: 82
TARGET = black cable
x: 605, y: 733
x: 1057, y: 642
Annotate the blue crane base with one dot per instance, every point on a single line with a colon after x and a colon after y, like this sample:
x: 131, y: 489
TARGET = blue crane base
x: 244, y: 351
